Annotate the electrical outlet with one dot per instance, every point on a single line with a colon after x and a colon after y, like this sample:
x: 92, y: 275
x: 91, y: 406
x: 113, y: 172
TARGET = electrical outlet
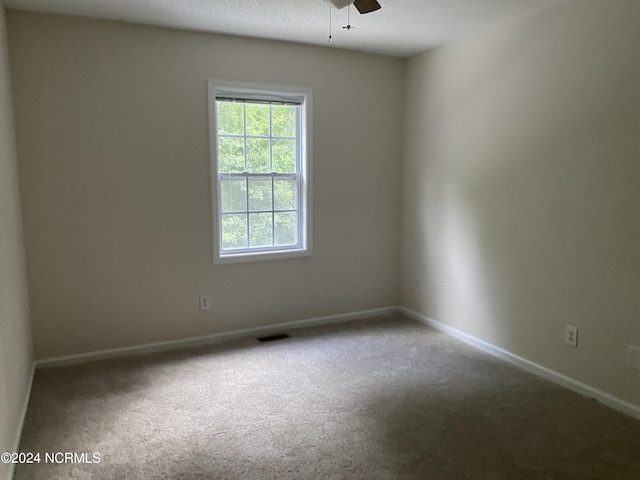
x: 571, y: 335
x: 204, y: 302
x: 633, y: 357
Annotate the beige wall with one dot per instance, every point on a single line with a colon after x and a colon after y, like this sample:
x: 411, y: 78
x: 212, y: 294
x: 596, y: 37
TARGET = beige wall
x: 114, y: 156
x: 15, y: 336
x: 521, y: 198
x: 519, y: 186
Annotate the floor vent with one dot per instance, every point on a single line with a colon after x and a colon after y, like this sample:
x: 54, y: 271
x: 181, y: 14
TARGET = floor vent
x: 271, y: 338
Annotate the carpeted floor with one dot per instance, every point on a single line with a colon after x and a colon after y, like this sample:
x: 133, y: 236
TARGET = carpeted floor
x: 385, y: 398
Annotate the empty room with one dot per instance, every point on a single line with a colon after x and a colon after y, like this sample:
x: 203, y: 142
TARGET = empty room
x: 299, y: 239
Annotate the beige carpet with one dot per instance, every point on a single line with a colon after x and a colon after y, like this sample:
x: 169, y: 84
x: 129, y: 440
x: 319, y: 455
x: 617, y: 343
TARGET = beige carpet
x: 377, y: 399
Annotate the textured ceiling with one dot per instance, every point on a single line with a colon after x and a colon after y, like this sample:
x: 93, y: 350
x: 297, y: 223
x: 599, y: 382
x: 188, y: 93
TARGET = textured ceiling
x: 401, y: 27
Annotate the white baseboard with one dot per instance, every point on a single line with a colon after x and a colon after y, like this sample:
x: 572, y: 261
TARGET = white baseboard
x: 210, y: 339
x: 537, y: 369
x: 21, y: 419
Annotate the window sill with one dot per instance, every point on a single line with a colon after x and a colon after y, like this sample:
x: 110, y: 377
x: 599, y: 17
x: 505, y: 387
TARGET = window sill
x: 261, y: 256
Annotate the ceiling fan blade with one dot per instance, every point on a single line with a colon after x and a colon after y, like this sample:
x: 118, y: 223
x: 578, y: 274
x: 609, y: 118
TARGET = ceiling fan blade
x: 367, y: 6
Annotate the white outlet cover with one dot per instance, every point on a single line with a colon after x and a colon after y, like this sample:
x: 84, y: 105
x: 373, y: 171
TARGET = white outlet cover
x: 571, y: 335
x: 633, y: 357
x: 204, y: 302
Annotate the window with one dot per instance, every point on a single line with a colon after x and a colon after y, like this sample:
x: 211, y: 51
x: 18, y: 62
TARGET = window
x: 261, y: 171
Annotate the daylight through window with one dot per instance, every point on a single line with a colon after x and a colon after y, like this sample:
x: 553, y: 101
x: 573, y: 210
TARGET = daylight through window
x: 260, y: 161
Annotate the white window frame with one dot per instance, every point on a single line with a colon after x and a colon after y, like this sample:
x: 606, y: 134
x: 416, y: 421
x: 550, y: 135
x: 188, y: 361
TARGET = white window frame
x: 249, y: 91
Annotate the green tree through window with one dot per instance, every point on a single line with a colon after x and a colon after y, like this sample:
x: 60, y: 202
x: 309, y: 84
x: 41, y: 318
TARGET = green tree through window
x: 258, y: 170
x: 261, y: 139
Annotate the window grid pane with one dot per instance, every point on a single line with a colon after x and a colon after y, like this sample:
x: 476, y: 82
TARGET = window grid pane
x: 286, y: 151
x: 247, y: 193
x: 233, y: 196
x: 271, y: 140
x: 260, y: 194
x: 285, y: 228
x: 234, y: 232
x: 267, y: 218
x: 244, y: 132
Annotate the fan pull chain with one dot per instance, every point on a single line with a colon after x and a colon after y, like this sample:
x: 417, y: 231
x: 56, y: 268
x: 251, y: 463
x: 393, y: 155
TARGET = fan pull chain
x: 330, y: 37
x: 348, y: 27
